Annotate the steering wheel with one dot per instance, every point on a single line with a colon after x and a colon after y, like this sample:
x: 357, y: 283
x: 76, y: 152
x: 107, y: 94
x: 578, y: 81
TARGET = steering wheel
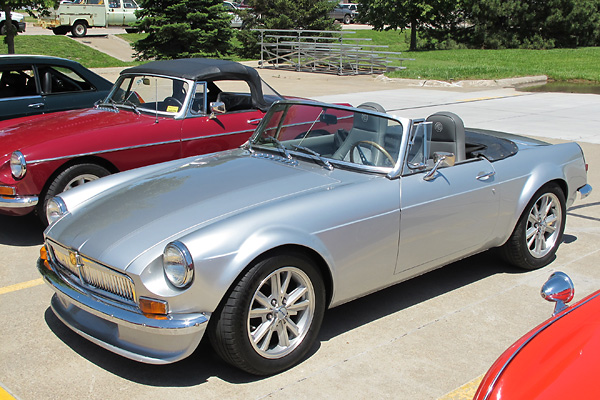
x: 363, y: 158
x: 172, y: 99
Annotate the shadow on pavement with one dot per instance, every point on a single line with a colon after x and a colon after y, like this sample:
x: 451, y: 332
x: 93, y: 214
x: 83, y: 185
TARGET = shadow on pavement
x: 205, y: 363
x: 21, y: 231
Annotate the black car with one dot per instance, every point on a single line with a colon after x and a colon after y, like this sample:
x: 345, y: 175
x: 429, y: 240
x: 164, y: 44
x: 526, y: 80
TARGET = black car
x: 40, y: 84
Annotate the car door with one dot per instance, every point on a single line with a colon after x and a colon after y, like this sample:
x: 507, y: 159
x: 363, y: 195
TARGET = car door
x: 64, y: 89
x: 447, y: 217
x: 19, y: 94
x: 116, y: 13
x: 204, y: 133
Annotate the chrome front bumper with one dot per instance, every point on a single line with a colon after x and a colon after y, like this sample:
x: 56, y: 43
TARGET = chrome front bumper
x: 126, y: 332
x: 18, y: 201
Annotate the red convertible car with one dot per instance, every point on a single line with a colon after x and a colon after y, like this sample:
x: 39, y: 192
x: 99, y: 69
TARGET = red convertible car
x: 556, y: 360
x: 155, y: 112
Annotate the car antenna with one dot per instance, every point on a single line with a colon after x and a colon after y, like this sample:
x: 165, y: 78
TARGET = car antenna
x: 155, y: 101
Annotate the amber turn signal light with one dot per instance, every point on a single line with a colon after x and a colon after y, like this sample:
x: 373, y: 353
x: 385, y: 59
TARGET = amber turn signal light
x: 7, y: 191
x: 44, y: 257
x: 153, y: 308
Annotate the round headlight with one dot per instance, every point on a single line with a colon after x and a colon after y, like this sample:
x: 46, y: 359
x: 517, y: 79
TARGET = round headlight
x: 55, y: 209
x: 18, y: 165
x: 178, y: 264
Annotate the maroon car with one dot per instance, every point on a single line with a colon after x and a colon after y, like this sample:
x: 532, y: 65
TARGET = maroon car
x: 155, y: 112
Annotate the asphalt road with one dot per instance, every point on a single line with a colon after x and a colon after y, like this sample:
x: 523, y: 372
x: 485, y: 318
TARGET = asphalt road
x: 423, y: 339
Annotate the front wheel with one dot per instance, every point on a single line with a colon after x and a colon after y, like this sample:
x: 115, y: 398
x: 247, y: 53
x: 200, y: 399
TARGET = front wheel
x: 272, y: 316
x: 539, y: 232
x: 60, y: 30
x: 347, y: 19
x: 75, y: 175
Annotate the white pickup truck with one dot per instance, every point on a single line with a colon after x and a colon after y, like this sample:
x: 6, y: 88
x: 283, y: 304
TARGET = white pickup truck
x: 17, y: 19
x: 76, y: 17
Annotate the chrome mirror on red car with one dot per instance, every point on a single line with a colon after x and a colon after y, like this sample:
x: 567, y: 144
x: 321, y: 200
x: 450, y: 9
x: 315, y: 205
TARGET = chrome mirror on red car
x: 560, y: 289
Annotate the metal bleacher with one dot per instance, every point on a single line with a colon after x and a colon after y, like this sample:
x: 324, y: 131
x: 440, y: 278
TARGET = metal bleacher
x: 324, y: 51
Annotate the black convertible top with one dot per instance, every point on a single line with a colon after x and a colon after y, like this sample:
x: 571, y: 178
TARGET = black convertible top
x: 199, y: 69
x: 205, y: 69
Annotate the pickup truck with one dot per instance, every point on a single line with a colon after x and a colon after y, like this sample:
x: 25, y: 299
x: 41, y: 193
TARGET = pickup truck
x: 17, y: 19
x: 76, y: 17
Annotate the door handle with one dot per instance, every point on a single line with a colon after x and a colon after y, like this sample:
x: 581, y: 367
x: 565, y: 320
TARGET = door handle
x: 36, y: 105
x: 254, y: 121
x: 485, y: 177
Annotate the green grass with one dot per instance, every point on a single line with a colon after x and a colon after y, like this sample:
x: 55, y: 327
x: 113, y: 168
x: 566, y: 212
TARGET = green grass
x: 62, y: 46
x: 558, y: 64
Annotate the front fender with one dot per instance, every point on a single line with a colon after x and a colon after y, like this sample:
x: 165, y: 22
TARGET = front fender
x: 216, y: 274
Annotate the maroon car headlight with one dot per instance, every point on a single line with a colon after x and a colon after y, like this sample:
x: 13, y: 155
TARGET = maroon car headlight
x: 18, y: 165
x: 178, y: 264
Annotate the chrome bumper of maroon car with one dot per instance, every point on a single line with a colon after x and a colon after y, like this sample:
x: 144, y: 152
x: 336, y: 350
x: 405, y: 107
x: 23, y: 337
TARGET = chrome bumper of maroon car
x: 18, y: 201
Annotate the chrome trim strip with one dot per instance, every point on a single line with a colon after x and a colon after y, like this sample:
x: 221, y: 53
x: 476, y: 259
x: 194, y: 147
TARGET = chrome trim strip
x: 102, y: 152
x: 585, y: 191
x: 217, y: 135
x: 552, y: 320
x: 18, y: 201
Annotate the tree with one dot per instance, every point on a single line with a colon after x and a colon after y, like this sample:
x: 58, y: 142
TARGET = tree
x: 533, y: 23
x: 183, y: 28
x: 283, y: 14
x: 403, y: 14
x: 32, y: 7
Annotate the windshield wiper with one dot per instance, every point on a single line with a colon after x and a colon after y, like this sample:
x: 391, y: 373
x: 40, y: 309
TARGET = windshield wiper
x: 132, y: 104
x: 327, y: 164
x: 279, y: 145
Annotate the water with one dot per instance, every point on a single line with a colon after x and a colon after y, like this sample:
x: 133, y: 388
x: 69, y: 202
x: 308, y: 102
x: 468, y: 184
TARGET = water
x: 564, y: 87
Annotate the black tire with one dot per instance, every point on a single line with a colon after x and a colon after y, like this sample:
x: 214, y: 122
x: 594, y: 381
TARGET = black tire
x: 347, y: 19
x: 79, y: 29
x: 71, y: 177
x: 60, y: 30
x: 132, y: 30
x: 2, y: 29
x: 231, y: 326
x: 535, y: 239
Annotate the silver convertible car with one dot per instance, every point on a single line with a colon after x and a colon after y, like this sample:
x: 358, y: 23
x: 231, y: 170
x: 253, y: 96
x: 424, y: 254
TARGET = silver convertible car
x: 322, y: 205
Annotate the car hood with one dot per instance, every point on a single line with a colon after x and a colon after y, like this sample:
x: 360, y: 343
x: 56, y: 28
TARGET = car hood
x: 119, y: 225
x: 31, y: 134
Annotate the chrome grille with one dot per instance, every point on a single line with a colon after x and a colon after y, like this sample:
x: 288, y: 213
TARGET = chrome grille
x: 92, y: 275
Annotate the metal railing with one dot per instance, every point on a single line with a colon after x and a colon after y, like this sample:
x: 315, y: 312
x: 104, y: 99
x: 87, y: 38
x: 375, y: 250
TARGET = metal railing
x: 324, y: 51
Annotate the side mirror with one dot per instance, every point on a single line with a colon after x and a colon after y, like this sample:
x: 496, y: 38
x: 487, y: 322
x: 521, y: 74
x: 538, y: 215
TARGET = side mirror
x: 328, y: 119
x: 441, y: 159
x: 217, y: 107
x: 559, y: 289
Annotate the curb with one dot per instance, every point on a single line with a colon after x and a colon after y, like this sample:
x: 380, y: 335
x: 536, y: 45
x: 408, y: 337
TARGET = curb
x: 497, y: 83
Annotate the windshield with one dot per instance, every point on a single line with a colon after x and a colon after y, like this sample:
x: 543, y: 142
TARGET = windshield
x: 150, y: 93
x: 342, y: 135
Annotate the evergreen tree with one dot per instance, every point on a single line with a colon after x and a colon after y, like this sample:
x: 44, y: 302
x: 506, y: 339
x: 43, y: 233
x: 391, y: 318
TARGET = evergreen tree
x: 183, y: 28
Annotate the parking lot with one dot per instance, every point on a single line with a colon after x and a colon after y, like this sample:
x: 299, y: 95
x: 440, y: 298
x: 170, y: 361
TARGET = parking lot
x: 428, y: 338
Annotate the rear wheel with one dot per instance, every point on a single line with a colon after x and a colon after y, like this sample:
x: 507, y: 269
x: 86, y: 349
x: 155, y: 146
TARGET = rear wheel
x: 535, y: 240
x: 347, y: 19
x: 79, y: 29
x: 272, y: 316
x: 71, y: 177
